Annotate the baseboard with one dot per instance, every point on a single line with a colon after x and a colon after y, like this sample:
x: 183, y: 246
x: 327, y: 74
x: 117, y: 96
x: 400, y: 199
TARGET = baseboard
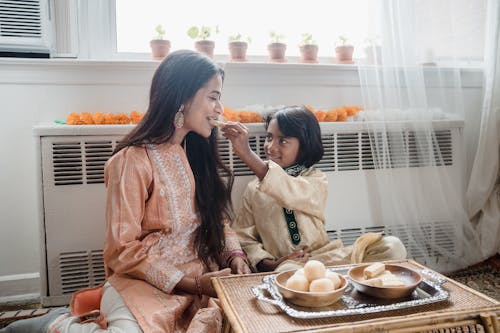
x: 19, y: 285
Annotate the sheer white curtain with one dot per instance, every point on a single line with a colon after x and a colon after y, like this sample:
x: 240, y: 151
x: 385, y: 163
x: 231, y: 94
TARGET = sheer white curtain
x: 414, y: 119
x: 483, y: 192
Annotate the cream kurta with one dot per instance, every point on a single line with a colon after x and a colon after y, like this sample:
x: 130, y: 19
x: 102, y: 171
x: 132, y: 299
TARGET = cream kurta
x: 151, y: 223
x: 263, y: 231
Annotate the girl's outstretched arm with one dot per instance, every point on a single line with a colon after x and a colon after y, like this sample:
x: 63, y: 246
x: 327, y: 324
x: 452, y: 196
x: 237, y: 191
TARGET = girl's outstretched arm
x: 237, y: 133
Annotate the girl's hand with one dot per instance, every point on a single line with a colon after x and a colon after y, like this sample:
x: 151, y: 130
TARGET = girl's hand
x: 206, y: 281
x: 237, y: 133
x: 267, y: 265
x: 239, y: 266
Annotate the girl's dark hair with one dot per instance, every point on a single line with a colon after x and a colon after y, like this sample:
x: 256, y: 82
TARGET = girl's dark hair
x: 299, y: 122
x: 180, y: 75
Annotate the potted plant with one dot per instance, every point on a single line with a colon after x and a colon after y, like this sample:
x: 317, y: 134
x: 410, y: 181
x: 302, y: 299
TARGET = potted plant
x: 373, y: 51
x: 276, y: 47
x: 344, y: 51
x: 238, y: 48
x: 159, y: 46
x: 203, y: 44
x: 308, y: 49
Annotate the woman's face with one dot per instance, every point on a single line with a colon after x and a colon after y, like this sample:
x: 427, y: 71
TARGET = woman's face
x: 280, y: 149
x: 204, y: 106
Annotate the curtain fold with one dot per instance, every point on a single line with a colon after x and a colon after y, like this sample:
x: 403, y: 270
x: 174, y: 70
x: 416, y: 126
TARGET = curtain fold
x: 414, y: 118
x: 483, y: 192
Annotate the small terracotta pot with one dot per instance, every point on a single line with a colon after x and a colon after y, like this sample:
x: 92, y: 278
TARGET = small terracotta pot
x: 159, y: 48
x: 309, y: 54
x: 238, y: 51
x: 277, y: 52
x: 205, y: 46
x: 344, y: 54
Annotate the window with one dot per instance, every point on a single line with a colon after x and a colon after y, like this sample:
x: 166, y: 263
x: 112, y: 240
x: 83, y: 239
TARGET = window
x: 325, y: 20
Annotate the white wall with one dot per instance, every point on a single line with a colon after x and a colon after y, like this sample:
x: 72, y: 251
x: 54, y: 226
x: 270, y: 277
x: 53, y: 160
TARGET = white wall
x: 41, y: 91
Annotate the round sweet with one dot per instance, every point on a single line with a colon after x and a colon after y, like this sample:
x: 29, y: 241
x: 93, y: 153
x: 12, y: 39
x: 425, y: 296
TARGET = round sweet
x: 321, y: 285
x: 314, y: 269
x: 297, y: 283
x: 300, y: 271
x: 334, y: 277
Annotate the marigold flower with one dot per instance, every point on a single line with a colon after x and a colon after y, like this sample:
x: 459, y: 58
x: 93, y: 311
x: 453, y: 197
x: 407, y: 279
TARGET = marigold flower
x: 121, y: 119
x: 74, y: 119
x: 86, y: 118
x: 250, y: 117
x: 331, y: 115
x: 320, y: 115
x: 136, y: 116
x: 109, y: 118
x: 98, y: 118
x: 230, y: 114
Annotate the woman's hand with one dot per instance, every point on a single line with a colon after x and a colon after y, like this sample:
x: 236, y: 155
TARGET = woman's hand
x: 206, y: 281
x: 239, y: 266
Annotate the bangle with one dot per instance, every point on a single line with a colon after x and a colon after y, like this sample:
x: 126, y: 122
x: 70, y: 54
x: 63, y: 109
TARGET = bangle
x: 197, y: 282
x: 235, y: 254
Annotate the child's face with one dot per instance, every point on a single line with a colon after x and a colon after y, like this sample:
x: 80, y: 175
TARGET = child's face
x: 279, y: 148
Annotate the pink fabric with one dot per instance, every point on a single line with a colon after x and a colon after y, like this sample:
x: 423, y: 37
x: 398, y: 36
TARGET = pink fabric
x: 151, y: 221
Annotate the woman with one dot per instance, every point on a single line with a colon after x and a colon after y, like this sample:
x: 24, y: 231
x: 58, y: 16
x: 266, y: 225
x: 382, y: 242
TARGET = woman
x: 167, y: 211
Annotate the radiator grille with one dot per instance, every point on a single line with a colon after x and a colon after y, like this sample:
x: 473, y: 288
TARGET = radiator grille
x: 81, y: 269
x: 96, y: 155
x: 20, y: 18
x: 342, y: 152
x: 67, y: 163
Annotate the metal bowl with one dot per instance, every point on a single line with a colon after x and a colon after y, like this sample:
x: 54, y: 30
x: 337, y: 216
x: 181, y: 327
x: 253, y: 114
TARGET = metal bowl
x: 409, y: 277
x: 309, y: 299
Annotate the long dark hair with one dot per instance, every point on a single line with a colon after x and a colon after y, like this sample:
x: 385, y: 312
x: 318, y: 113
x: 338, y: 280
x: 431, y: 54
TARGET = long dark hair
x: 298, y: 122
x: 175, y: 82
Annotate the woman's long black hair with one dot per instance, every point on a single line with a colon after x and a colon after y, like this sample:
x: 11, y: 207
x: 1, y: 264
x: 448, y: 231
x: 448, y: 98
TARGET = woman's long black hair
x: 175, y: 82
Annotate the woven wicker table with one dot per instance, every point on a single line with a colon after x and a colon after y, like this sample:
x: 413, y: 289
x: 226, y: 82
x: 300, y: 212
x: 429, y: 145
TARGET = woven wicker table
x: 466, y: 310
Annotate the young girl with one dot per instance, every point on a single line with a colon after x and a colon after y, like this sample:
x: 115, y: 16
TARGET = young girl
x: 281, y: 223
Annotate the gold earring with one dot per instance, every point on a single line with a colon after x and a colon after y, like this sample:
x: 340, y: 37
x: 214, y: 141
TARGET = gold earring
x: 179, y: 117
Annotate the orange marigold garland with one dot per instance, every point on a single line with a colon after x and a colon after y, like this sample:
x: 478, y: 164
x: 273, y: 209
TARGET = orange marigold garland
x: 98, y: 118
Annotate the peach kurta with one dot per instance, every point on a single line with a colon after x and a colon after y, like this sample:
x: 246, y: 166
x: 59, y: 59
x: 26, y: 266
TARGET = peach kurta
x: 151, y: 222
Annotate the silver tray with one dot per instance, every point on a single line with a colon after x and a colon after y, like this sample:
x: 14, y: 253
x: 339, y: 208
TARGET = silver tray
x: 354, y: 303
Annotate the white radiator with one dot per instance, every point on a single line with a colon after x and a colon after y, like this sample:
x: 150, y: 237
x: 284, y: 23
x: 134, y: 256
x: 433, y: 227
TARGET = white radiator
x: 72, y: 193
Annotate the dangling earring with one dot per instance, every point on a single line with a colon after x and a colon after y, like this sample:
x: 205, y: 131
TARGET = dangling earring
x: 179, y: 117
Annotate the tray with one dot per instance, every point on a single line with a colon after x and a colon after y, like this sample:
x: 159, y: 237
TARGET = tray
x: 353, y: 302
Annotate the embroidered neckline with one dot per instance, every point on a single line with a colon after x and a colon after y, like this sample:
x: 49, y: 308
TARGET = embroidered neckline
x: 295, y: 169
x: 293, y: 228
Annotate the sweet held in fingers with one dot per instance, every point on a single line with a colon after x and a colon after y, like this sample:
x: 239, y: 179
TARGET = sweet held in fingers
x: 217, y: 123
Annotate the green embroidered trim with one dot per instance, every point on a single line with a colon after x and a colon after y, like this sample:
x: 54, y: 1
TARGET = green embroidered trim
x: 291, y: 223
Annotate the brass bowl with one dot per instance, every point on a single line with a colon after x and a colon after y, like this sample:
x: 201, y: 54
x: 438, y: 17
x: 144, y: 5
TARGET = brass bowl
x: 409, y: 277
x: 309, y: 299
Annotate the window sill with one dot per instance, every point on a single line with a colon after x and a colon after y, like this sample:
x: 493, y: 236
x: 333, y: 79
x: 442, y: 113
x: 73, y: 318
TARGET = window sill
x: 137, y: 72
